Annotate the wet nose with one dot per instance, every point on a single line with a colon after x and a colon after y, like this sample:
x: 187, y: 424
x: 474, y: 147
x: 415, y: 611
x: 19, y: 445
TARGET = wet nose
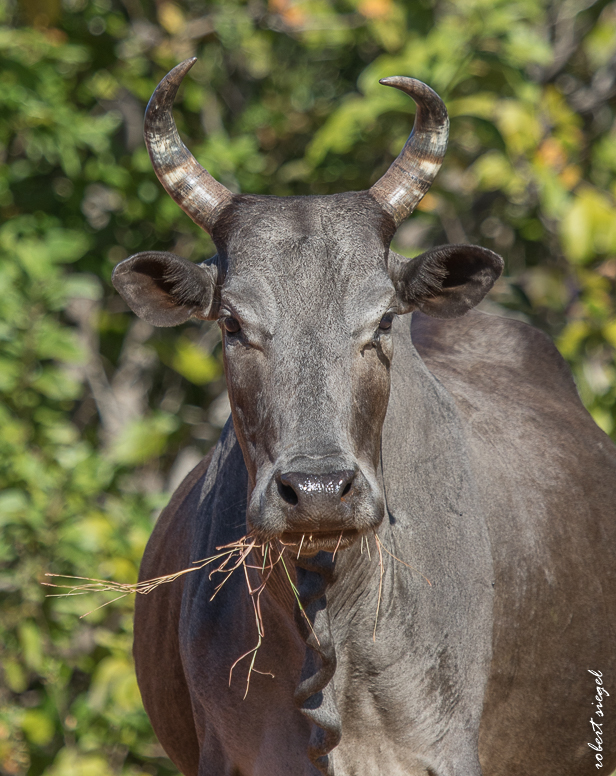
x: 316, y: 491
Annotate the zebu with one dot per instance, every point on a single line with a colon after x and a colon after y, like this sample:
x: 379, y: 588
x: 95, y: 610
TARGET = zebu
x: 454, y: 442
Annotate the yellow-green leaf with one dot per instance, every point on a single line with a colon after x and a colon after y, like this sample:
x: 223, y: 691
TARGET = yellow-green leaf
x: 194, y: 363
x: 38, y: 727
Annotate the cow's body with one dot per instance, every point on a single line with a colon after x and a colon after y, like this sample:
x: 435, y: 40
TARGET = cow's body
x: 463, y: 467
x: 500, y: 489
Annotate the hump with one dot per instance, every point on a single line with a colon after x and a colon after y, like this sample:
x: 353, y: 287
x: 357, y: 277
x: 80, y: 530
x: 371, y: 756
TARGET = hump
x: 515, y: 392
x: 493, y: 355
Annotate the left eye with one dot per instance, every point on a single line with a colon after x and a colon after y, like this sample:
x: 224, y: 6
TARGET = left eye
x: 232, y: 325
x: 386, y: 322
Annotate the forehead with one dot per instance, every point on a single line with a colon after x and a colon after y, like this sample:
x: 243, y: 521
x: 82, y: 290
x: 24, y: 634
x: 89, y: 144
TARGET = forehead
x: 336, y: 234
x: 305, y: 250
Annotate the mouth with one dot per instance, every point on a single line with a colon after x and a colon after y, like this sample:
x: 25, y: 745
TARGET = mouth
x: 309, y: 543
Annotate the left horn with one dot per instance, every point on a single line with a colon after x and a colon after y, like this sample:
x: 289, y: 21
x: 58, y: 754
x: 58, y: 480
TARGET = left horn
x: 411, y: 174
x: 190, y: 185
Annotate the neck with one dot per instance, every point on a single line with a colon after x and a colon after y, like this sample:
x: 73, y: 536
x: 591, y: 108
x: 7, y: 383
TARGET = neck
x: 353, y: 602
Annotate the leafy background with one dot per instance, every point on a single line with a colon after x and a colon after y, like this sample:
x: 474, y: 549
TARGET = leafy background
x: 101, y: 414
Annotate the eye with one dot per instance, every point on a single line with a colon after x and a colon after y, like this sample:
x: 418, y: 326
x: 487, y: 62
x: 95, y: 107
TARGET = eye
x: 231, y: 325
x: 386, y: 322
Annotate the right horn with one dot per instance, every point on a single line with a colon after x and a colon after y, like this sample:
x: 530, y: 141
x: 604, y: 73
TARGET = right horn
x: 198, y: 194
x: 411, y: 174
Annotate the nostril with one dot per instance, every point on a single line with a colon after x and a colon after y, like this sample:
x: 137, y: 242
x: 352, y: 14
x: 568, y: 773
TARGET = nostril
x: 311, y: 490
x: 287, y: 493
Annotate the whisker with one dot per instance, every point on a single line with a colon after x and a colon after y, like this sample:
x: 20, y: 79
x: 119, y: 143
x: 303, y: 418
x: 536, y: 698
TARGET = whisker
x: 300, y: 546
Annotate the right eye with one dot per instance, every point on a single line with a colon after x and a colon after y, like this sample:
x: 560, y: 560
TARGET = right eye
x: 386, y: 321
x: 232, y: 325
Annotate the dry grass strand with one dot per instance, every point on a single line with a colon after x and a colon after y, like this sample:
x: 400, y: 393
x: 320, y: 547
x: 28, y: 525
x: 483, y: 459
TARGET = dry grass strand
x: 381, y: 570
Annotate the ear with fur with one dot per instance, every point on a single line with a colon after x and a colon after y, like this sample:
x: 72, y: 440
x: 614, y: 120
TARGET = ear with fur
x: 444, y: 282
x: 166, y: 290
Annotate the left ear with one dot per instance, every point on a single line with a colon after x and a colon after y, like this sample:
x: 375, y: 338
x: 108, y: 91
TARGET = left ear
x: 444, y: 282
x: 166, y: 290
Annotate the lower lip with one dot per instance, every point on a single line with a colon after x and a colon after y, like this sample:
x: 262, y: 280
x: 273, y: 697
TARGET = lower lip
x: 319, y: 541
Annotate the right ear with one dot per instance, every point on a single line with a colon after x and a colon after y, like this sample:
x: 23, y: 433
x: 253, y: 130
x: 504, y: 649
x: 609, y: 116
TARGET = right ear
x: 166, y: 290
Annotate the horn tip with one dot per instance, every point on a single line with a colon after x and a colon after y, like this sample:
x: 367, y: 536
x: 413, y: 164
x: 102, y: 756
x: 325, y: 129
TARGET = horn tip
x: 165, y: 92
x: 184, y: 66
x: 404, y: 82
x: 176, y: 75
x: 395, y: 80
x: 423, y: 95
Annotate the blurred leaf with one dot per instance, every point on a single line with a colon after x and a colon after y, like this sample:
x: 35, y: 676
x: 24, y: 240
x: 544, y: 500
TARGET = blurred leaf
x: 14, y: 675
x: 589, y: 227
x: 72, y: 762
x: 193, y: 363
x: 572, y: 337
x: 12, y: 502
x: 9, y: 375
x: 609, y: 332
x: 57, y: 384
x: 38, y: 727
x: 31, y: 645
x: 115, y: 680
x: 143, y: 439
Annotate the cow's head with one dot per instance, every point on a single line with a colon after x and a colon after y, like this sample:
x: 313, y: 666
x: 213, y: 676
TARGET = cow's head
x: 305, y: 290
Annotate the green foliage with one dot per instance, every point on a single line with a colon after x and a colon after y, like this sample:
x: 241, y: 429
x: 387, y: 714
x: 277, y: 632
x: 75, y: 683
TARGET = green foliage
x: 284, y: 99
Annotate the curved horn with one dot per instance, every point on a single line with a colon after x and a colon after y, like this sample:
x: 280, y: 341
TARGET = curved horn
x: 190, y: 185
x: 411, y: 174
